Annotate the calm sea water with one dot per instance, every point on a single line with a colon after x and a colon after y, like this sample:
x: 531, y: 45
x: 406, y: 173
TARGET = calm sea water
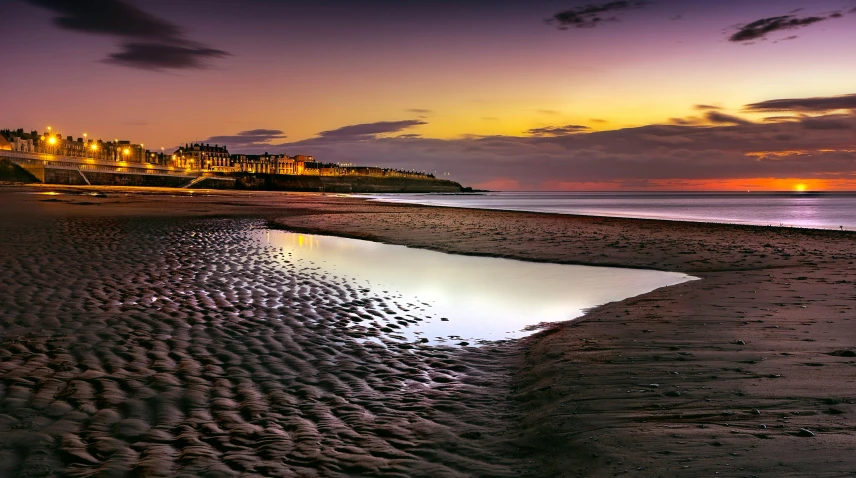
x: 811, y: 210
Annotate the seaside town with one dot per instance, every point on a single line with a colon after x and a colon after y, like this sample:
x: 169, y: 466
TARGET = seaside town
x: 192, y: 158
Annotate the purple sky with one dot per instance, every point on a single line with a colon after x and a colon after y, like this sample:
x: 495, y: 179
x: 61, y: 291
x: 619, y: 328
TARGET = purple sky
x: 675, y: 94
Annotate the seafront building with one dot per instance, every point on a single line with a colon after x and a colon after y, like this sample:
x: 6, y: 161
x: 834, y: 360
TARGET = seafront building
x: 204, y: 157
x: 54, y: 144
x: 272, y: 163
x: 53, y: 150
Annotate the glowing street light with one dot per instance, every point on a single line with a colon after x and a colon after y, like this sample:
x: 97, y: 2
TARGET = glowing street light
x: 52, y: 140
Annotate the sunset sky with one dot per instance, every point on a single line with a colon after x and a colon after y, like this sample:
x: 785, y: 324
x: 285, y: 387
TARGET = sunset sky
x: 517, y: 95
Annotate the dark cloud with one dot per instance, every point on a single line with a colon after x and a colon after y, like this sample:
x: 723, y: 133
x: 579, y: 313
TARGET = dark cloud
x: 691, y: 120
x: 420, y: 111
x: 759, y: 29
x: 557, y: 130
x: 707, y: 107
x: 779, y: 119
x: 109, y: 17
x: 158, y: 44
x: 792, y: 37
x: 369, y: 130
x: 252, y: 141
x: 820, y: 104
x: 157, y: 56
x: 592, y: 15
x: 827, y: 123
x: 716, y: 117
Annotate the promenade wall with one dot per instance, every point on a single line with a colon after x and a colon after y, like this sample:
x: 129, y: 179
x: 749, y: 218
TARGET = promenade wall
x: 73, y: 171
x: 343, y: 184
x: 100, y: 178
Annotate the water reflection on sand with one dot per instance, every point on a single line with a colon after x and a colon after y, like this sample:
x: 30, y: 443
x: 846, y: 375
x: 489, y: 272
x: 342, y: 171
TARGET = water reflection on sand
x: 443, y: 298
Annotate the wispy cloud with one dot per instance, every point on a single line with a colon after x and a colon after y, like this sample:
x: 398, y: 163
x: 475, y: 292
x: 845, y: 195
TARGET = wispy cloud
x: 819, y: 104
x: 157, y: 56
x: 592, y: 15
x: 148, y: 42
x: 249, y: 141
x: 759, y: 29
x: 557, y: 130
x: 369, y: 130
x: 717, y: 117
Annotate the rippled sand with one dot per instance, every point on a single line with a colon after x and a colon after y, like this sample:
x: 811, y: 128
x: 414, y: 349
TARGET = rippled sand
x: 166, y: 347
x: 749, y: 371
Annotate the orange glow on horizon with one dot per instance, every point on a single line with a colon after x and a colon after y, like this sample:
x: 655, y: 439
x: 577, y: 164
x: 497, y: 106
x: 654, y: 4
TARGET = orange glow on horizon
x: 737, y: 184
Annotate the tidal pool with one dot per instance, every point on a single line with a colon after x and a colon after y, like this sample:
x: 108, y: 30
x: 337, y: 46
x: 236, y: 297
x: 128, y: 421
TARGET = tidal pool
x: 453, y: 299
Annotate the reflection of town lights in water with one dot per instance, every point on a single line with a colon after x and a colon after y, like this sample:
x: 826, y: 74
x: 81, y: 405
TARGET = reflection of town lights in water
x: 482, y: 298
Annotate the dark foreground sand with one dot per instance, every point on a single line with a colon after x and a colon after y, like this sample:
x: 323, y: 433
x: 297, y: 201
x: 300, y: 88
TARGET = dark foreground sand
x: 750, y: 371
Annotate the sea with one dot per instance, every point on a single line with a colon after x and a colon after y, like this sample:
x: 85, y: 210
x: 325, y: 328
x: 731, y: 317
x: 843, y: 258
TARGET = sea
x: 791, y: 209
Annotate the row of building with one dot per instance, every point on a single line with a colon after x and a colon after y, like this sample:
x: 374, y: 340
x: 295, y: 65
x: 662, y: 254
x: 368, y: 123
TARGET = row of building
x: 191, y: 156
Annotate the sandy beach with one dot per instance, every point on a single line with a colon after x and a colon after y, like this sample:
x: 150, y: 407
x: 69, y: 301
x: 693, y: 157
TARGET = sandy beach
x: 143, y: 333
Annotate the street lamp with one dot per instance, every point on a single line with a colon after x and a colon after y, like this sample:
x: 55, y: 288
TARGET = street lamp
x: 52, y: 142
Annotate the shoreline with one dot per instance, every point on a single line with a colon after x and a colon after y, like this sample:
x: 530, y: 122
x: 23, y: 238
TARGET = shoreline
x: 718, y: 350
x: 731, y: 340
x: 614, y: 216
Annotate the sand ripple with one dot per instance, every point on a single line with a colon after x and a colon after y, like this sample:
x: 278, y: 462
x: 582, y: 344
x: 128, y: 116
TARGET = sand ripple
x: 166, y: 347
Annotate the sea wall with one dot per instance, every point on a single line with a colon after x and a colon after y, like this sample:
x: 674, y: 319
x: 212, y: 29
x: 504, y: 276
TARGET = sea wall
x: 10, y: 171
x: 343, y: 184
x: 37, y: 170
x: 100, y: 178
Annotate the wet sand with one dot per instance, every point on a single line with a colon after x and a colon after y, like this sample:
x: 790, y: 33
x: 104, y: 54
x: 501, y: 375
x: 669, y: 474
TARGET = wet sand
x: 747, y: 372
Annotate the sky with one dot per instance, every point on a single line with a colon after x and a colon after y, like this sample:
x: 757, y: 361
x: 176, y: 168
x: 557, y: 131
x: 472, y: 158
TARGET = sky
x: 505, y: 95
